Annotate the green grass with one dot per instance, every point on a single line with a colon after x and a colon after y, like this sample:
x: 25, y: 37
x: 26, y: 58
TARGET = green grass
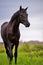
x: 28, y: 54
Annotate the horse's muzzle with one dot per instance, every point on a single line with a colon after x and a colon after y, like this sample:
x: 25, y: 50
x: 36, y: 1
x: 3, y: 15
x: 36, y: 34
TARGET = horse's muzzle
x: 28, y: 24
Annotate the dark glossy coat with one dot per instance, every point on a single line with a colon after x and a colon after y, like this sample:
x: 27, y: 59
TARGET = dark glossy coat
x: 10, y: 31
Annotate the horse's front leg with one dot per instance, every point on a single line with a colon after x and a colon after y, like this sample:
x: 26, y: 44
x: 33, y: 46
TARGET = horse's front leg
x: 8, y: 50
x: 10, y: 54
x: 15, y: 54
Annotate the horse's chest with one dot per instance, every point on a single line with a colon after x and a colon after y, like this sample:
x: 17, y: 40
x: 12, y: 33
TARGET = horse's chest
x: 13, y: 37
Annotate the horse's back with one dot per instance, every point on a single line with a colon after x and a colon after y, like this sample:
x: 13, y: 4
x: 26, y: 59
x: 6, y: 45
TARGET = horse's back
x: 3, y: 27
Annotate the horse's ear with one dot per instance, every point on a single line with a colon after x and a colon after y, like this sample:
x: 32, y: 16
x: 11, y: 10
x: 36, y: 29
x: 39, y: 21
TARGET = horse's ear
x: 26, y: 8
x: 20, y: 8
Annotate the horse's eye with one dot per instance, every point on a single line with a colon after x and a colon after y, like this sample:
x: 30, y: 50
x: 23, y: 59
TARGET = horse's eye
x: 22, y: 15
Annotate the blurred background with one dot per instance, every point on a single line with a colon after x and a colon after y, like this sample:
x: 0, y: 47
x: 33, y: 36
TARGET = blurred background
x: 30, y: 50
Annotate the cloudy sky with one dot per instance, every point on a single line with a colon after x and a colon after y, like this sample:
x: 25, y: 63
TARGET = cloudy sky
x: 35, y: 16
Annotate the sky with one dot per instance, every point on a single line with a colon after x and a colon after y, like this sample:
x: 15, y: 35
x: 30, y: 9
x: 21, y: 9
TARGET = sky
x: 35, y: 17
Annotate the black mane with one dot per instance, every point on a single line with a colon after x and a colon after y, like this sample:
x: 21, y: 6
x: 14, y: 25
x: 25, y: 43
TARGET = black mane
x: 14, y: 16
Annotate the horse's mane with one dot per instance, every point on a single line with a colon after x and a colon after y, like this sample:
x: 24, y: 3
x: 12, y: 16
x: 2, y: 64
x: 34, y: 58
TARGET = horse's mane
x: 14, y: 16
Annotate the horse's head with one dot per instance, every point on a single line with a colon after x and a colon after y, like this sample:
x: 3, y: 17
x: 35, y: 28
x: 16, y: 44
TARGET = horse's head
x: 23, y: 17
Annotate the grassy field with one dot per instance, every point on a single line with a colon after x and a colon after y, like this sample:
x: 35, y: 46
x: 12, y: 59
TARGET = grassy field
x: 28, y: 54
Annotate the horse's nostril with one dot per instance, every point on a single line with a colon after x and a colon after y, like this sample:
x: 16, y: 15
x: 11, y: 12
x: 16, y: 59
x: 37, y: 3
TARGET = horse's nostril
x: 28, y: 24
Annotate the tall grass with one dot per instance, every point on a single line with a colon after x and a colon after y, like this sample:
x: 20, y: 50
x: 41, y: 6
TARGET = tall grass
x: 28, y: 47
x: 28, y: 54
x: 2, y: 49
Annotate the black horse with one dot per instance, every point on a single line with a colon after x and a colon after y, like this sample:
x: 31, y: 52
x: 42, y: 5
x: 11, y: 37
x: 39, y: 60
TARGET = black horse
x: 10, y: 31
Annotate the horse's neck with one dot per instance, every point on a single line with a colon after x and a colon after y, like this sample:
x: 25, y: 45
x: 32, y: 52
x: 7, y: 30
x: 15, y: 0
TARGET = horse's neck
x: 15, y: 21
x: 14, y: 25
